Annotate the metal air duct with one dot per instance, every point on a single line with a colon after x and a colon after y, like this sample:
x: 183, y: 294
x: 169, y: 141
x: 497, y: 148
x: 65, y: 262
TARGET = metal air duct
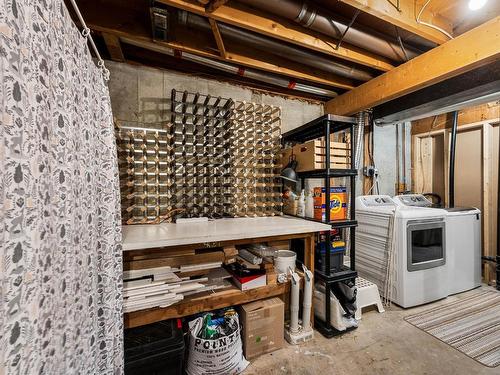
x: 268, y: 45
x: 229, y: 68
x: 332, y: 25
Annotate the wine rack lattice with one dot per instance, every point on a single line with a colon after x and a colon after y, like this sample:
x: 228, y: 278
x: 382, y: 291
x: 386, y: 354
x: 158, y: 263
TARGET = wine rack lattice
x: 256, y: 142
x: 201, y: 163
x: 144, y: 156
x: 216, y: 158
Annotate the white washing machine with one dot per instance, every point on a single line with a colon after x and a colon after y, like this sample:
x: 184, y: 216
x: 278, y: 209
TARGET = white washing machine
x: 418, y: 240
x: 463, y: 242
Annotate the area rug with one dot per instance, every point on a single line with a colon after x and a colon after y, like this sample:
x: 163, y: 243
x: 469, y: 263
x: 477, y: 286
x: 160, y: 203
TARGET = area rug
x: 470, y: 324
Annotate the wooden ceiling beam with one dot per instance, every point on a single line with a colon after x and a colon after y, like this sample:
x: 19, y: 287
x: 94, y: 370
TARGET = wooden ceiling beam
x: 214, y: 5
x: 468, y: 51
x: 218, y: 37
x: 114, y: 48
x: 256, y: 21
x: 405, y: 18
x: 304, y: 73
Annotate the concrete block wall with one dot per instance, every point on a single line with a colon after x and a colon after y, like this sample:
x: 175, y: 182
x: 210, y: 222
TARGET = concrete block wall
x: 384, y: 155
x: 143, y: 94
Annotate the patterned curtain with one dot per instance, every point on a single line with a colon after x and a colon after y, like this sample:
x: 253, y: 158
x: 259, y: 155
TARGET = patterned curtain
x: 60, y: 234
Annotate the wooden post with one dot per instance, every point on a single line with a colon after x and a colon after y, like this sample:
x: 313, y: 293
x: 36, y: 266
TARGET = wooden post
x: 487, y: 201
x: 309, y: 244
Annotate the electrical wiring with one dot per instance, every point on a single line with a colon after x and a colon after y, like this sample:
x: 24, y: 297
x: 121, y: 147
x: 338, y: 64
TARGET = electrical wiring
x: 401, y: 43
x: 374, y: 184
x: 430, y: 24
x: 370, y: 154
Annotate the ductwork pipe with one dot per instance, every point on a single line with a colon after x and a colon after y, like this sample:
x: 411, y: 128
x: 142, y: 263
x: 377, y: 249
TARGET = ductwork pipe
x: 334, y: 26
x: 358, y: 135
x: 229, y: 68
x: 268, y: 45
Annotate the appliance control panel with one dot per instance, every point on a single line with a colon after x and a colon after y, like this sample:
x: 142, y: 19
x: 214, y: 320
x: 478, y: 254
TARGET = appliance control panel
x: 415, y: 200
x: 377, y: 200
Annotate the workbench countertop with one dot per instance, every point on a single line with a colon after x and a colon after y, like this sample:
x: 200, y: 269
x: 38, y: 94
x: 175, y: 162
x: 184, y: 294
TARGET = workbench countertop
x: 169, y: 234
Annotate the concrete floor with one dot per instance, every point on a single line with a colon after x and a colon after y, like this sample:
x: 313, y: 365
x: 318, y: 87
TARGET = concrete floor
x: 383, y: 344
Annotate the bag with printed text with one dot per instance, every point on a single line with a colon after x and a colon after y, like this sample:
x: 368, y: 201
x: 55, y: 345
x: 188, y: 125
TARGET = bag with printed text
x: 215, y: 346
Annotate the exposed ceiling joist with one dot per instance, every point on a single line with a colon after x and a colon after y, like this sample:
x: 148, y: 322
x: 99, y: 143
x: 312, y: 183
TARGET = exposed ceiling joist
x: 114, y: 47
x: 405, y: 17
x: 305, y: 73
x: 468, y: 51
x: 260, y: 23
x: 218, y: 37
x: 214, y: 5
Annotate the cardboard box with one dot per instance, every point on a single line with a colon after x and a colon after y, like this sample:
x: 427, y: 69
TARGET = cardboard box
x: 338, y: 203
x: 263, y: 326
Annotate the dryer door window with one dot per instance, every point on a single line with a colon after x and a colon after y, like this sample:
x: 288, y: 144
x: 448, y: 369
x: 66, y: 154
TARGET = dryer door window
x: 426, y: 245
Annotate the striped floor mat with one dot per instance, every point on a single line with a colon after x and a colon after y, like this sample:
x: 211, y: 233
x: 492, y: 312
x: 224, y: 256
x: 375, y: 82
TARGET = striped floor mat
x: 470, y: 324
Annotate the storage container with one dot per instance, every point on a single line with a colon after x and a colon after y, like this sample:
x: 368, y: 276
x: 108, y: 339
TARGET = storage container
x: 311, y: 155
x: 337, y: 251
x: 338, y: 203
x: 336, y: 260
x: 155, y: 349
x: 283, y: 259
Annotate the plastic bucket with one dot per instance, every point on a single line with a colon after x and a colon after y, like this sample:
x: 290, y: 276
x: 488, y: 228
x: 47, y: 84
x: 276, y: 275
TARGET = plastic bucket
x: 283, y: 259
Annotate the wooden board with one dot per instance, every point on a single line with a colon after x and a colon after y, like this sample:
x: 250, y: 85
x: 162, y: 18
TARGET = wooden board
x: 465, y: 116
x: 405, y: 17
x: 471, y: 50
x: 476, y: 175
x: 208, y: 301
x: 157, y: 253
x: 311, y: 155
x: 259, y: 22
x: 218, y: 37
x: 468, y: 172
x: 490, y: 199
x: 210, y: 256
x: 200, y: 303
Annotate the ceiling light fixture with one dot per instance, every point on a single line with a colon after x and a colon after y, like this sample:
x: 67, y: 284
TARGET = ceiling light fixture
x: 477, y: 4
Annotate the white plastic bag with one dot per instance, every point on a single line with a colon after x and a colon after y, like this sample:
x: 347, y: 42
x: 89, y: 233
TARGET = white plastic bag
x: 221, y: 356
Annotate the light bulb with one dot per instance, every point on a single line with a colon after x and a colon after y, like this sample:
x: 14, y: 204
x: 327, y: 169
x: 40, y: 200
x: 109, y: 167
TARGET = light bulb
x: 476, y: 4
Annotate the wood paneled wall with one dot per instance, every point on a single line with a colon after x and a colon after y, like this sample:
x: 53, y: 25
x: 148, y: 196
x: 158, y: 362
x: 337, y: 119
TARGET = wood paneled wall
x: 476, y: 164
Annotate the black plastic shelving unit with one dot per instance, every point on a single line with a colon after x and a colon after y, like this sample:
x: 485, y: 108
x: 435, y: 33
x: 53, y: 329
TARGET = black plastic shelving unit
x: 323, y: 127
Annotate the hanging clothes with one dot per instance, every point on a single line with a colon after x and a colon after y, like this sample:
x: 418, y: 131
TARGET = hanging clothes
x: 60, y: 233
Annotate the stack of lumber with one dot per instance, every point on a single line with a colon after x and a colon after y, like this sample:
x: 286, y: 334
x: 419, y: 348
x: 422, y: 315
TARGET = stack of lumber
x: 169, y: 277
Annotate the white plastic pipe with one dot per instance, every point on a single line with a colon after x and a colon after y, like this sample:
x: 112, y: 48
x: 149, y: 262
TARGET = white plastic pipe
x: 307, y: 302
x: 294, y: 303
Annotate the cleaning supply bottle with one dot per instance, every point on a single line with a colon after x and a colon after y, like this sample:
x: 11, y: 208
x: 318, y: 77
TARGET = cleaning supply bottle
x: 301, y: 207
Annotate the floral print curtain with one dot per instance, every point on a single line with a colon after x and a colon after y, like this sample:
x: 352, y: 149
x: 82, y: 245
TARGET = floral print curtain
x: 60, y: 233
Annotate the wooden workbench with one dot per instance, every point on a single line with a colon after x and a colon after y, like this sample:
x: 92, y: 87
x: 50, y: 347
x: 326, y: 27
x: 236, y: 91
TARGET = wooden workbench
x: 154, y: 241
